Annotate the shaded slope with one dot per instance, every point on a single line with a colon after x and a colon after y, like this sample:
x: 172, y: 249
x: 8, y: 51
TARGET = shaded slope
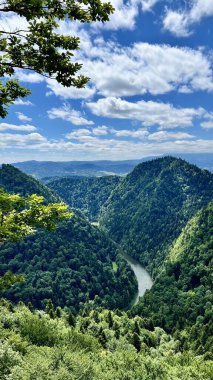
x: 86, y: 194
x: 149, y: 208
x: 15, y: 181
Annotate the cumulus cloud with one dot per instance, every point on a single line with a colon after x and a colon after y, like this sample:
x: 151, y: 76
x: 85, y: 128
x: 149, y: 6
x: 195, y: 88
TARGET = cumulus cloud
x: 78, y: 134
x: 101, y: 130
x: 148, y: 113
x: 69, y: 92
x: 66, y: 113
x: 13, y: 127
x: 21, y: 116
x: 146, y: 68
x: 180, y: 22
x: 10, y: 140
x: 83, y: 133
x: 141, y: 68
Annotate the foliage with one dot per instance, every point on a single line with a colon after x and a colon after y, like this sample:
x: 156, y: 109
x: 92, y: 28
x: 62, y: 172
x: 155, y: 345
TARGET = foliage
x: 182, y: 293
x: 22, y: 216
x: 34, y: 346
x: 8, y: 280
x: 40, y: 47
x: 70, y: 266
x: 149, y: 208
x: 86, y: 194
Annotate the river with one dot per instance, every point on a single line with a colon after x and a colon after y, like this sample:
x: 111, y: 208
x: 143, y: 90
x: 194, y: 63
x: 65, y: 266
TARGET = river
x: 144, y: 279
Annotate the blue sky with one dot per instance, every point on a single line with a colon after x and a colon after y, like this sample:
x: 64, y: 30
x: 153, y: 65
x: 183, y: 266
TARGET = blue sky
x: 150, y: 91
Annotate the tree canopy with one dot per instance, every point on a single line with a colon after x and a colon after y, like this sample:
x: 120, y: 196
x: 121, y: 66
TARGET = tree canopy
x: 39, y: 47
x: 21, y: 216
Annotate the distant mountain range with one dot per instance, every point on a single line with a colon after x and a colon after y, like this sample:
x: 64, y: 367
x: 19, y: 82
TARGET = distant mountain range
x: 45, y: 169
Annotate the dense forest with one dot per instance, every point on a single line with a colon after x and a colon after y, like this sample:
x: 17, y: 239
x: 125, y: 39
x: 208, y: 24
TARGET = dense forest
x: 182, y: 293
x: 15, y: 181
x: 149, y: 208
x: 86, y: 194
x: 71, y: 318
x: 75, y: 264
x: 97, y: 345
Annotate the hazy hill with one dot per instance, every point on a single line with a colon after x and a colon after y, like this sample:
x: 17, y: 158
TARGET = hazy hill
x: 42, y: 169
x: 149, y: 208
x: 86, y: 194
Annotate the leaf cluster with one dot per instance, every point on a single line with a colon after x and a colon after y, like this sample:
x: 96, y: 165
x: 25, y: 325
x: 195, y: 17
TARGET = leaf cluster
x: 40, y: 47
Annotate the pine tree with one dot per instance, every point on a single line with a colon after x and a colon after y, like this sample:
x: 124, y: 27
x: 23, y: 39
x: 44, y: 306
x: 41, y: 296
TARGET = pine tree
x: 71, y: 319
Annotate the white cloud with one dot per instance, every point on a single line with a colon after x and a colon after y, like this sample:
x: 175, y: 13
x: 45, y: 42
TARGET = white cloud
x: 142, y: 68
x: 10, y: 140
x: 78, y: 134
x: 124, y: 16
x: 149, y: 113
x: 147, y: 5
x: 117, y: 70
x: 69, y: 92
x: 207, y: 124
x: 176, y: 23
x: 143, y: 134
x: 11, y: 22
x: 139, y: 133
x: 180, y: 22
x: 24, y: 76
x: 91, y: 147
x: 68, y: 114
x: 21, y: 116
x: 20, y: 102
x: 85, y: 134
x: 165, y: 136
x: 100, y: 131
x: 13, y: 127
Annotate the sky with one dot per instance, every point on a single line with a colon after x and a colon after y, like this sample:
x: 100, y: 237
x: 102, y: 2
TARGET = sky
x: 150, y: 91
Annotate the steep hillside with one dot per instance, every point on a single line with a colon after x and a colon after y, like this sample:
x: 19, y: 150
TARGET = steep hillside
x: 86, y: 194
x: 182, y: 293
x: 15, y: 181
x: 149, y: 208
x: 71, y: 266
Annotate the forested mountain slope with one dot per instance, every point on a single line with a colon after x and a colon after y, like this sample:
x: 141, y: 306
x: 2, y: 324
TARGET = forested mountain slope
x: 15, y: 181
x: 70, y: 266
x: 149, y: 208
x: 182, y: 294
x: 86, y: 194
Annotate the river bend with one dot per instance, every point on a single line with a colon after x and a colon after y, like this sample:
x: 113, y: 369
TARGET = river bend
x: 143, y: 277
